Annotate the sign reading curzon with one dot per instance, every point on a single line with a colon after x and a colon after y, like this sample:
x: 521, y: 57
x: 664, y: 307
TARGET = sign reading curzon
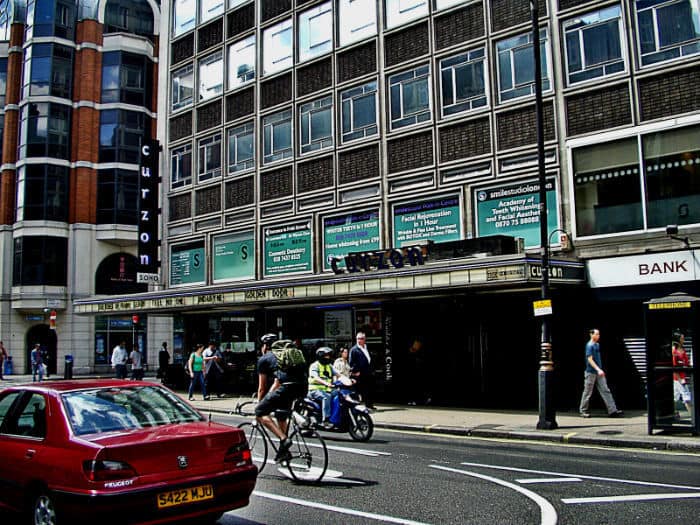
x: 381, y: 259
x: 148, y: 212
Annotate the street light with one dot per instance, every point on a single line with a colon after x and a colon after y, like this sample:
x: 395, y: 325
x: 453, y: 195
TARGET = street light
x: 547, y: 419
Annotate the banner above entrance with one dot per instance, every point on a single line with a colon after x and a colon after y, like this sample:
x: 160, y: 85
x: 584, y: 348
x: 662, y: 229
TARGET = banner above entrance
x: 654, y: 268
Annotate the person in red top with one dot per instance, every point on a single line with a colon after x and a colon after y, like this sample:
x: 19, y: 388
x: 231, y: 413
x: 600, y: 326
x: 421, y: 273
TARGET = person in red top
x: 680, y: 381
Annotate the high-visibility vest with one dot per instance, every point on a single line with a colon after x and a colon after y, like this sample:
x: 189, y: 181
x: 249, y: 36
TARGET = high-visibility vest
x: 325, y: 372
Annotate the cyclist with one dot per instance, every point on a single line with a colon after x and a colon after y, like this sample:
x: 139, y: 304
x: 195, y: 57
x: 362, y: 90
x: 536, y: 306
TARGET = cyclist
x: 288, y: 385
x: 267, y: 364
x: 321, y: 377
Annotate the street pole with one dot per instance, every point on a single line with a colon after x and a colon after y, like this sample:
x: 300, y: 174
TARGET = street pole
x: 547, y: 420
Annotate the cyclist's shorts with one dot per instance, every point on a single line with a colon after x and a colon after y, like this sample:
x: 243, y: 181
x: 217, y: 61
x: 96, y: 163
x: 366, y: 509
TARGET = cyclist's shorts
x: 280, y: 400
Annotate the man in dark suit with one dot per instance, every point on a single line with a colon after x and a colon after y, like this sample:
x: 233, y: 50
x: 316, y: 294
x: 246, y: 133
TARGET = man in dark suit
x: 360, y: 368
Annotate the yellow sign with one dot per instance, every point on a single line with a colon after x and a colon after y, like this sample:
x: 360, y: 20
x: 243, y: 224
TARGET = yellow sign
x: 183, y: 496
x: 542, y: 307
x: 669, y: 306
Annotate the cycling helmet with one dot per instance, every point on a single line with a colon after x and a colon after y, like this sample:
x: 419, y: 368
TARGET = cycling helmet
x: 324, y: 351
x: 268, y: 339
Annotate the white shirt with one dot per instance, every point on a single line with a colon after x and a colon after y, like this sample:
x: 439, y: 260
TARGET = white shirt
x: 136, y: 360
x: 119, y: 355
x: 208, y: 352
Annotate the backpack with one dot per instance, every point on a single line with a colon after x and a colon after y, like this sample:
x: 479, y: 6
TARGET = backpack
x: 288, y: 355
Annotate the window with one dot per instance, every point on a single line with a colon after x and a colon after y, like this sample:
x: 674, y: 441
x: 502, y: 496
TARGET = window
x: 516, y: 66
x: 211, y: 76
x: 241, y: 148
x: 50, y: 18
x: 612, y: 197
x: 42, y: 193
x: 48, y: 70
x: 277, y: 47
x: 129, y: 16
x: 126, y: 77
x: 410, y: 97
x: 209, y: 9
x: 316, y: 125
x: 315, y: 32
x: 357, y: 19
x: 359, y: 112
x: 183, y: 87
x: 668, y: 30
x: 117, y: 196
x: 401, y: 11
x: 44, y: 130
x: 121, y: 133
x: 181, y: 166
x: 209, y: 165
x: 3, y: 81
x: 593, y: 46
x: 463, y: 83
x: 40, y: 260
x: 184, y: 16
x: 672, y: 173
x: 277, y: 136
x: 241, y: 62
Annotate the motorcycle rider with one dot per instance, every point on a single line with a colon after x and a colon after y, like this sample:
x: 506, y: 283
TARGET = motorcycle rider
x: 321, y: 377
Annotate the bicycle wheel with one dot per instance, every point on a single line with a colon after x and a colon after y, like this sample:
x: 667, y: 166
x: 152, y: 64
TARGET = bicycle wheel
x: 257, y: 443
x: 309, y: 456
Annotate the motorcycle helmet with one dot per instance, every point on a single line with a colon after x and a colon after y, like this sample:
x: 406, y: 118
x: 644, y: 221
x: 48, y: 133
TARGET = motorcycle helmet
x: 324, y: 353
x: 268, y: 339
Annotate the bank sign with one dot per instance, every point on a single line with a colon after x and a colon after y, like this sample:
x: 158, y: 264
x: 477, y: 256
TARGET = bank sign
x: 514, y: 209
x: 437, y: 220
x: 656, y: 268
x: 287, y: 249
x: 354, y: 232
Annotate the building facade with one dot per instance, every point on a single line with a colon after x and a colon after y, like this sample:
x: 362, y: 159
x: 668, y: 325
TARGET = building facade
x: 343, y: 165
x: 80, y: 84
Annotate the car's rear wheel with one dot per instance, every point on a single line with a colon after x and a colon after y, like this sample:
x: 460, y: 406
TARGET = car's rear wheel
x: 43, y: 509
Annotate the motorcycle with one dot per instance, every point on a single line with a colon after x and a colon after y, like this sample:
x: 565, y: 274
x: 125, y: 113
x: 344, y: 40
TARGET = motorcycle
x: 354, y: 416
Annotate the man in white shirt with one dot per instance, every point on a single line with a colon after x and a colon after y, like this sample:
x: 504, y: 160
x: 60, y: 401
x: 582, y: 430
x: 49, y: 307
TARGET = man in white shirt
x: 360, y: 369
x: 136, y: 364
x: 119, y: 358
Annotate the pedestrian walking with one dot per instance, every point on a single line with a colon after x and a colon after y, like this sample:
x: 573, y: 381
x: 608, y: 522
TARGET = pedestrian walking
x: 595, y: 376
x: 136, y: 364
x: 195, y: 367
x: 680, y: 360
x: 3, y: 357
x: 119, y: 359
x: 37, y: 362
x: 163, y: 360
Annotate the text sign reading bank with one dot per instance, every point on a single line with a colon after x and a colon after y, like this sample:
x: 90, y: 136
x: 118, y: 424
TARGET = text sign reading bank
x: 148, y: 213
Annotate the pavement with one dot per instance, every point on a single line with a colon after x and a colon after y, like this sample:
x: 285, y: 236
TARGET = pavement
x: 629, y: 431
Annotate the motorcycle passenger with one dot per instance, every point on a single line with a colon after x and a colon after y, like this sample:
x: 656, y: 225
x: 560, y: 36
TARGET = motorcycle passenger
x: 321, y: 377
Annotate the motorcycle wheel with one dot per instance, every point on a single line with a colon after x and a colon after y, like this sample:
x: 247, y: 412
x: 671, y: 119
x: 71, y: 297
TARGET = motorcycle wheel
x: 361, y: 426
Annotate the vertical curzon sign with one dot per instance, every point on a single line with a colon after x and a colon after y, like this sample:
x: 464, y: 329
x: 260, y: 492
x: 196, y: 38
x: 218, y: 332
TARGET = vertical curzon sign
x: 148, y: 213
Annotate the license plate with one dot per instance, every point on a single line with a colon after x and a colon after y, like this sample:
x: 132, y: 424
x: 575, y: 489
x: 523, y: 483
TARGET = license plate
x: 184, y: 496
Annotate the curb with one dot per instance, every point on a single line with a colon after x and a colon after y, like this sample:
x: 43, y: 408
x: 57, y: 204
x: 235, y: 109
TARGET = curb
x: 518, y: 435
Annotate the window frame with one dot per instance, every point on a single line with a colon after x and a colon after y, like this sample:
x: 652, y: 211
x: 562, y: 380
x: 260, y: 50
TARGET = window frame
x: 210, y: 66
x: 245, y: 129
x: 658, y: 48
x: 306, y: 113
x: 213, y: 8
x: 308, y: 19
x: 244, y: 46
x: 566, y: 24
x: 278, y: 62
x: 176, y: 162
x: 347, y: 36
x: 204, y: 144
x: 190, y: 23
x: 367, y: 89
x: 403, y: 82
x: 177, y: 103
x: 544, y: 54
x: 470, y: 57
x: 270, y: 121
x: 396, y: 14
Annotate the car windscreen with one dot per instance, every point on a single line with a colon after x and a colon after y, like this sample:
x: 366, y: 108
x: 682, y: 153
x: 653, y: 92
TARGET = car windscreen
x: 116, y: 409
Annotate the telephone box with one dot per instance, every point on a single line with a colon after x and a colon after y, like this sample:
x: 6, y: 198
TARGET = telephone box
x: 672, y: 329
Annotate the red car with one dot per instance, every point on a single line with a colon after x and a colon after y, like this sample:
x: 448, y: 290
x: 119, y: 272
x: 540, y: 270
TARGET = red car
x: 116, y: 451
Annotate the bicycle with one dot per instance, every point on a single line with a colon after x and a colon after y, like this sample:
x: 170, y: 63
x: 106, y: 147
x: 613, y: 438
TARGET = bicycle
x: 303, y: 464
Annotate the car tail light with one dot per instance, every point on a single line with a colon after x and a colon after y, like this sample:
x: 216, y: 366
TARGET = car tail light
x: 103, y: 470
x: 239, y: 455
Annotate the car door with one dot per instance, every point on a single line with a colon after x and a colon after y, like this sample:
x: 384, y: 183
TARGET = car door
x: 22, y: 432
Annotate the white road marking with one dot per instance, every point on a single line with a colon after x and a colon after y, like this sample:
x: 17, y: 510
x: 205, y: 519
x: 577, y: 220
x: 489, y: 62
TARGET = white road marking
x: 340, y: 510
x: 331, y: 476
x: 631, y: 497
x: 359, y: 451
x: 548, y: 514
x: 527, y: 481
x: 568, y: 474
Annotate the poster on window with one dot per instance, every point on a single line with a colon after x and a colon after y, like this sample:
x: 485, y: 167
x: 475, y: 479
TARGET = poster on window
x: 338, y: 326
x: 514, y: 209
x: 437, y: 220
x: 354, y: 232
x: 234, y: 257
x: 287, y: 249
x: 187, y: 264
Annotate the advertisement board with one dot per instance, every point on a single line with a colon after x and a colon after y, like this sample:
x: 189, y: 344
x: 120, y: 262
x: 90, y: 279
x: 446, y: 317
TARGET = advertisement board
x: 287, y: 249
x: 353, y: 232
x: 233, y: 257
x: 187, y: 264
x: 437, y: 220
x: 514, y: 209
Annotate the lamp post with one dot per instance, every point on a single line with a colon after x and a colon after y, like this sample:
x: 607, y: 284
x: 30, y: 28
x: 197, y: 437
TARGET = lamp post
x: 547, y: 419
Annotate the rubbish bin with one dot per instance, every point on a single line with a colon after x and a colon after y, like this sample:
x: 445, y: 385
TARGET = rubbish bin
x: 68, y: 368
x: 7, y: 366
